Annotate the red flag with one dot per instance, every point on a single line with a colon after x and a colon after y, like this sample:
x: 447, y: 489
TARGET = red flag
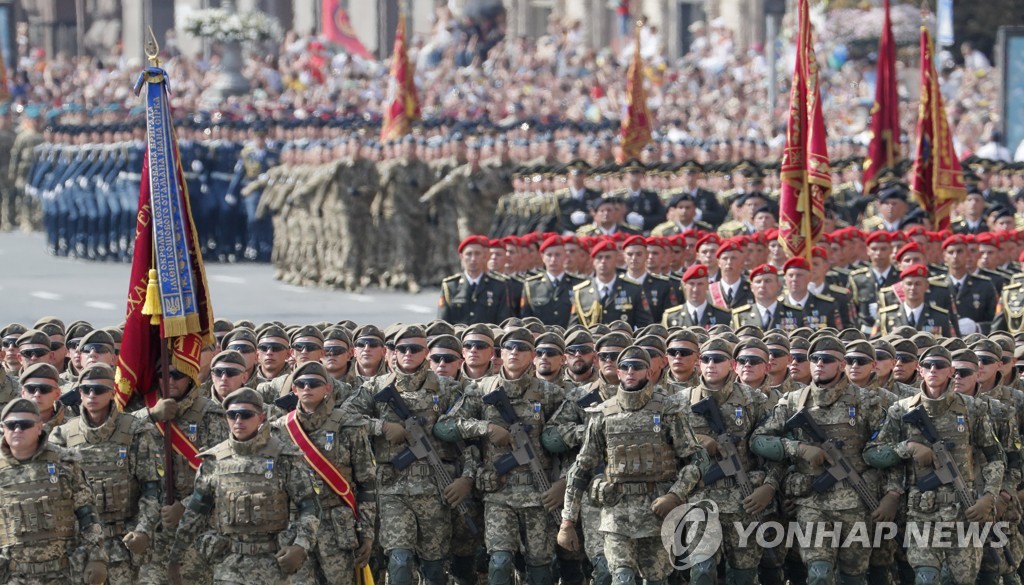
x: 4, y: 92
x: 402, y: 107
x: 636, y: 124
x: 938, y: 178
x: 337, y: 28
x: 885, y: 113
x: 806, y: 179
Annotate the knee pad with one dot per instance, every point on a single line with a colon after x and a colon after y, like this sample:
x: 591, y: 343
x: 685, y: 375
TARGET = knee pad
x: 740, y: 576
x: 926, y: 576
x: 624, y: 576
x: 400, y: 566
x: 601, y: 575
x: 704, y: 573
x: 819, y: 573
x: 499, y: 568
x: 433, y: 572
x: 538, y: 574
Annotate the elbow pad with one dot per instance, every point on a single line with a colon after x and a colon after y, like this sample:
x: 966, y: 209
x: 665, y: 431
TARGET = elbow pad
x: 445, y: 430
x: 768, y: 447
x: 552, y: 440
x: 86, y: 517
x: 993, y: 453
x: 881, y: 457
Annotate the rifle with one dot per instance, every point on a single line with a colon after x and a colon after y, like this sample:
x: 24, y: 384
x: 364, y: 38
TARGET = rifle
x: 729, y: 465
x: 947, y: 472
x: 841, y: 468
x: 419, y: 448
x: 590, y: 399
x: 522, y: 452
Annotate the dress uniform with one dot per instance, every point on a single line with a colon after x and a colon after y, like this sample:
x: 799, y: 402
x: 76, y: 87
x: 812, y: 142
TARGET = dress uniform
x: 623, y: 299
x: 1011, y: 318
x: 783, y: 316
x: 484, y: 301
x: 705, y: 315
x: 929, y: 317
x: 644, y: 209
x: 865, y: 283
x: 574, y: 204
x: 548, y: 297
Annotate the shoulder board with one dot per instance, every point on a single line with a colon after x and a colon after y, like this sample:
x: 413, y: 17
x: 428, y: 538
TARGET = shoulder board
x: 674, y: 310
x: 659, y: 277
x: 859, y: 271
x: 497, y: 277
x: 741, y: 308
x: 888, y: 308
x: 824, y: 297
x: 452, y: 278
x: 935, y: 307
x: 982, y: 277
x: 582, y: 285
x: 534, y: 277
x: 939, y: 280
x: 839, y: 289
x: 786, y: 304
x: 628, y: 280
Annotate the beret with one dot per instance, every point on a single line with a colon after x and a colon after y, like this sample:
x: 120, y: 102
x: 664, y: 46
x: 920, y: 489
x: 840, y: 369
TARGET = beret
x: 578, y: 337
x: 657, y: 242
x: 551, y: 242
x: 730, y: 245
x: 96, y: 371
x: 478, y: 329
x: 409, y: 331
x: 905, y: 346
x: 861, y: 346
x: 718, y: 344
x: 750, y: 343
x: 634, y: 353
x: 919, y: 270
x: 907, y: 248
x: 964, y: 355
x: 777, y: 339
x: 827, y: 343
x: 34, y: 337
x: 683, y: 335
x: 989, y: 346
x: 936, y: 351
x: 763, y: 269
x: 613, y: 339
x: 338, y: 334
x: 474, y: 240
x: 244, y: 396
x: 13, y: 329
x: 879, y: 237
x: 230, y: 357
x: 819, y: 252
x: 988, y: 239
x: 602, y: 246
x: 307, y: 331
x: 369, y: 331
x: 519, y: 334
x: 798, y: 262
x: 953, y: 241
x: 97, y: 336
x: 551, y: 339
x: 652, y: 341
x: 40, y: 370
x: 635, y: 241
x: 272, y: 331
x: 445, y: 341
x: 695, y: 271
x: 20, y: 405
x: 884, y: 345
x: 708, y: 239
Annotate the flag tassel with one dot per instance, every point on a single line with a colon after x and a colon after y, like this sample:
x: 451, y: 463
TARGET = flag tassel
x: 151, y: 306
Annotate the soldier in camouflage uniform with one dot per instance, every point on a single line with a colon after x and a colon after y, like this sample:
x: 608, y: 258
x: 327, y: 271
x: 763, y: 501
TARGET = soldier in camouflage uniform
x: 117, y: 452
x: 640, y: 422
x: 42, y: 492
x: 8, y: 209
x: 343, y: 542
x: 515, y: 508
x: 244, y: 489
x: 398, y: 212
x: 965, y: 425
x: 23, y: 155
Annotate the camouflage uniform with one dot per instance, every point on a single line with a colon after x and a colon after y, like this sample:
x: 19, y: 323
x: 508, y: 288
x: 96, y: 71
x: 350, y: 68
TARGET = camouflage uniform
x: 23, y: 154
x: 399, y: 213
x: 246, y: 489
x: 118, y: 457
x: 8, y: 209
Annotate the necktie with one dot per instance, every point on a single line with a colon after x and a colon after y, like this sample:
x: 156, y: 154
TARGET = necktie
x: 472, y: 290
x: 696, y: 320
x: 765, y: 317
x: 956, y: 288
x: 604, y: 292
x: 912, y: 319
x: 728, y: 296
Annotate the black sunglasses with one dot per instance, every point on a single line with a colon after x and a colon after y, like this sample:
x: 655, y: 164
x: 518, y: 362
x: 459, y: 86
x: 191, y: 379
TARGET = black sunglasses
x: 964, y: 372
x: 73, y: 344
x: 713, y: 358
x: 446, y: 358
x: 335, y: 350
x: 34, y: 354
x: 1019, y: 368
x: 178, y: 376
x: 477, y: 345
x: 225, y: 372
x: 374, y: 343
x: 906, y: 358
x: 242, y: 348
x: 749, y: 360
x: 9, y: 343
x: 607, y: 356
x: 858, y: 360
x: 987, y: 360
x: 94, y: 389
x: 516, y: 346
x: 41, y: 389
x: 935, y: 364
x: 799, y: 358
x: 271, y: 347
x: 100, y: 348
x: 881, y: 356
x: 308, y: 383
x: 579, y: 350
x: 409, y: 348
x: 777, y: 353
x: 679, y: 352
x: 823, y: 358
x: 306, y: 347
x: 632, y: 366
x: 548, y: 352
x: 240, y: 414
x: 19, y: 425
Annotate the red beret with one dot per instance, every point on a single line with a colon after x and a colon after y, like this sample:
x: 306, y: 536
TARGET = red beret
x: 917, y: 230
x: 989, y: 239
x: 511, y: 241
x: 763, y: 269
x: 604, y: 245
x: 853, y: 233
x: 709, y: 239
x: 1021, y: 257
x: 695, y: 271
x: 838, y: 235
x: 657, y: 242
x: 970, y: 239
x: 741, y: 240
x: 898, y: 237
x: 953, y: 240
x: 619, y: 236
x: 911, y: 247
x: 796, y: 262
x: 934, y: 236
x: 688, y: 233
x: 826, y: 238
x: 914, y: 270
x: 819, y: 252
x: 634, y: 241
x: 474, y: 240
x: 730, y: 245
x: 551, y: 241
x: 771, y: 234
x: 946, y: 233
x: 879, y: 236
x: 676, y: 241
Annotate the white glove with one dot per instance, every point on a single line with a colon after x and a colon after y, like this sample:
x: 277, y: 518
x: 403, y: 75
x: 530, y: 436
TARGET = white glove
x: 968, y: 326
x: 635, y: 219
x: 578, y: 217
x: 230, y: 199
x: 873, y: 309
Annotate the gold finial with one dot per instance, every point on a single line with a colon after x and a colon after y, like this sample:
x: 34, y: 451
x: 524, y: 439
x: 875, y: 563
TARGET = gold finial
x: 152, y: 49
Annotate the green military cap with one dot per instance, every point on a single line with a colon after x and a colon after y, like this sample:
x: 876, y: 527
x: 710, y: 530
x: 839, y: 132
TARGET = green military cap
x: 222, y: 326
x: 307, y: 331
x: 535, y: 328
x: 923, y: 340
x: 40, y: 370
x: 12, y: 330
x: 19, y: 405
x: 310, y: 368
x: 1004, y: 341
x: 531, y: 320
x: 752, y: 331
x: 408, y: 332
x: 988, y: 346
x: 1019, y: 352
x: 116, y: 333
x: 613, y: 339
x: 321, y: 325
x: 512, y: 322
x: 973, y: 337
x: 883, y: 346
x: 338, y: 334
x: 578, y: 337
x: 953, y: 344
x: 633, y: 353
x: 701, y: 333
x: 246, y: 323
x: 728, y: 336
x: 776, y: 339
x: 43, y: 321
x: 652, y: 342
x: 229, y: 356
x: 478, y: 329
x: 860, y: 346
x: 100, y: 336
x: 436, y: 328
x: 827, y: 343
x: 551, y: 339
x: 272, y: 331
x: 96, y: 371
x: 518, y: 334
x: 33, y: 337
x: 683, y: 335
x: 620, y: 325
x: 801, y: 332
x: 51, y: 329
x: 244, y: 396
x: 239, y: 334
x: 851, y: 334
x: 964, y: 355
x: 905, y: 346
x: 718, y: 345
x: 719, y: 330
x: 78, y: 330
x: 599, y: 330
x: 750, y: 343
x: 905, y: 331
x: 348, y: 324
x: 391, y: 330
x: 445, y: 341
x: 369, y: 331
x: 936, y: 351
x: 556, y: 329
x: 654, y: 329
x: 799, y: 344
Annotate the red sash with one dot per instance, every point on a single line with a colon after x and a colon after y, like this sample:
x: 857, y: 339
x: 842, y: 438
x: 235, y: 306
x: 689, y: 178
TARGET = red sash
x: 898, y: 289
x: 180, y: 442
x: 716, y: 295
x: 320, y: 464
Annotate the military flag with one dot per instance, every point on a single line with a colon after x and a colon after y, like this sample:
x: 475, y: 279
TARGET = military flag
x: 4, y: 92
x: 636, y: 124
x: 402, y: 107
x: 806, y: 180
x: 938, y: 180
x: 336, y: 26
x: 883, y: 151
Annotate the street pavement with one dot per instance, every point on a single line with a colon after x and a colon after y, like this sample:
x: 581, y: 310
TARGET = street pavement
x: 34, y: 284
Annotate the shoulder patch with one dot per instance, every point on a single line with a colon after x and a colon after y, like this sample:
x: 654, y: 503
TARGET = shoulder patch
x: 859, y: 271
x: 935, y: 307
x: 741, y: 308
x: 824, y: 297
x: 581, y: 285
x: 452, y: 278
x: 534, y: 277
x: 888, y: 308
x: 840, y: 289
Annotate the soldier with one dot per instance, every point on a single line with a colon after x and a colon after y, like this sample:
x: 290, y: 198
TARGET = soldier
x: 975, y: 295
x: 23, y: 155
x: 397, y: 211
x: 580, y: 358
x: 117, y: 453
x: 574, y: 202
x: 474, y: 296
x: 607, y: 218
x: 548, y: 296
x: 343, y: 474
x: 446, y: 356
x: 730, y: 289
x: 338, y: 352
x: 644, y: 208
x: 682, y: 216
x: 865, y: 282
x: 607, y: 296
x: 820, y: 311
x: 635, y: 495
x: 243, y: 340
x: 370, y: 351
x: 697, y: 310
x: 247, y: 484
x: 939, y: 291
x: 848, y: 415
x: 767, y: 311
x: 11, y: 356
x: 227, y: 375
x: 8, y: 209
x: 254, y: 159
x: 779, y: 362
x: 40, y: 482
x: 273, y: 352
x: 973, y: 209
x: 307, y: 345
x: 963, y: 424
x: 660, y: 292
x: 914, y: 310
x: 39, y: 384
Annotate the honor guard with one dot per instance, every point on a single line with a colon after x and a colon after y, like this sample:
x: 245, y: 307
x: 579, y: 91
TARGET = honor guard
x: 914, y: 311
x: 607, y: 296
x: 474, y: 296
x: 697, y: 310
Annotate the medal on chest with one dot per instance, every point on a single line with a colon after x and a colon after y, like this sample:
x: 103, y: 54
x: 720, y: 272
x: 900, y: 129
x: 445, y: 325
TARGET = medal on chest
x: 536, y: 410
x: 122, y: 454
x: 739, y: 416
x: 192, y: 432
x: 490, y: 298
x: 437, y: 402
x: 853, y: 415
x: 960, y: 425
x: 657, y: 423
x: 269, y: 464
x: 51, y: 469
x: 329, y: 444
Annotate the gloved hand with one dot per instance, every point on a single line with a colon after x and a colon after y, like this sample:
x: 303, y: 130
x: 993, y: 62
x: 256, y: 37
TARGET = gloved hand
x: 174, y: 573
x: 567, y: 537
x: 665, y: 504
x: 95, y: 572
x: 165, y: 409
x: 458, y: 490
x: 171, y: 515
x: 136, y: 542
x: 981, y: 510
x: 812, y: 454
x: 290, y: 558
x: 887, y: 508
x: 554, y: 496
x: 922, y: 454
x: 578, y: 217
x: 708, y: 443
x: 759, y: 499
x: 1001, y: 505
x: 362, y: 553
x: 635, y: 219
x: 394, y: 433
x: 498, y: 435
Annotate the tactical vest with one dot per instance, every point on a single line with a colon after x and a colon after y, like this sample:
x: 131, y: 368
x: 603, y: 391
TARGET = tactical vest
x: 841, y: 421
x: 955, y: 426
x: 248, y: 503
x: 106, y: 466
x: 737, y: 416
x: 36, y: 504
x: 425, y: 404
x: 637, y: 443
x: 530, y: 409
x: 329, y: 499
x: 184, y: 475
